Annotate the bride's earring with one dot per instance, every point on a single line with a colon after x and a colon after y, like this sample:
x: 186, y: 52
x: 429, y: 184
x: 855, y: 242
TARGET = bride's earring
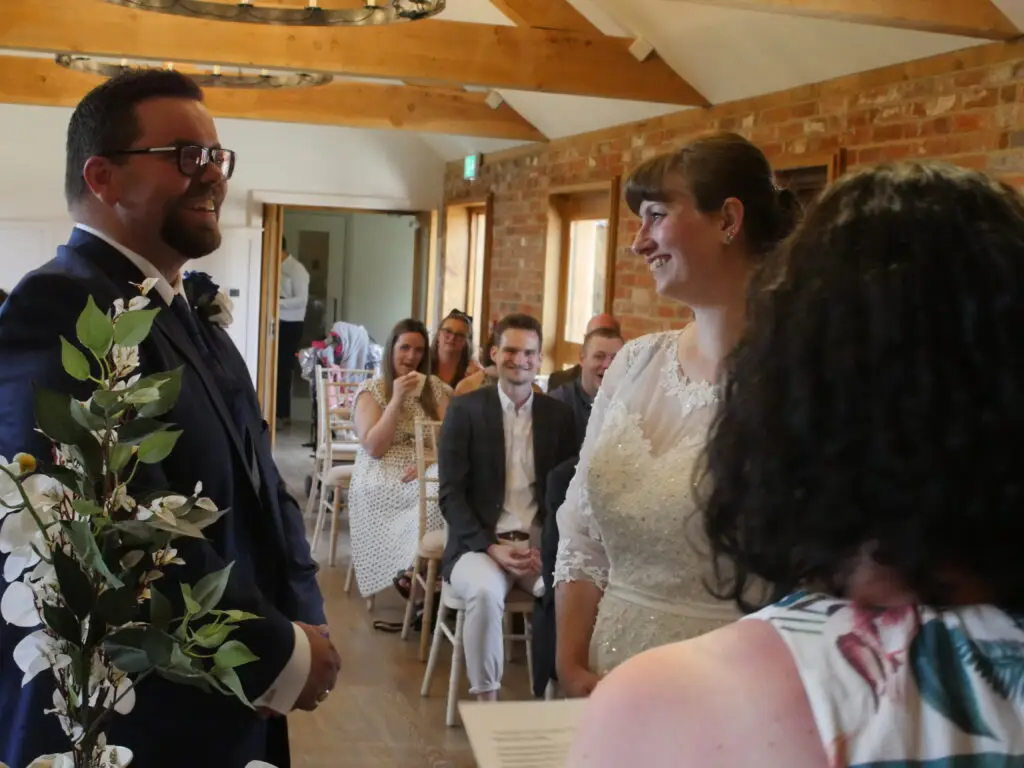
x: 728, y: 238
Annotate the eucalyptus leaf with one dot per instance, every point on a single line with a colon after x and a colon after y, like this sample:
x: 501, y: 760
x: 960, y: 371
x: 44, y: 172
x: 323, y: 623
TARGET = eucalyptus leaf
x: 95, y: 330
x: 75, y: 363
x: 229, y: 678
x: 137, y: 430
x: 132, y: 328
x: 201, y: 518
x: 180, y: 527
x: 86, y: 508
x: 142, y: 396
x: 236, y: 615
x: 212, y: 635
x: 62, y: 621
x: 158, y: 646
x: 157, y: 447
x: 209, y: 589
x: 75, y: 587
x: 191, y: 606
x: 84, y: 417
x: 120, y: 455
x: 160, y: 612
x: 53, y: 417
x: 65, y: 476
x: 117, y: 606
x: 195, y: 679
x: 88, y: 553
x: 126, y: 652
x: 170, y: 387
x: 109, y: 400
x: 233, y: 653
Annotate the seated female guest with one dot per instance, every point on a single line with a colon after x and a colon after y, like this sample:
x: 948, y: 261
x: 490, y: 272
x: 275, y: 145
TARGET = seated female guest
x: 383, y: 499
x: 867, y: 450
x: 450, y: 353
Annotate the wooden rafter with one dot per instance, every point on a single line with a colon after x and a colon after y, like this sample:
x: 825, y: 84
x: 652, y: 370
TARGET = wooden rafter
x: 968, y: 18
x: 455, y: 53
x: 38, y: 81
x: 546, y: 14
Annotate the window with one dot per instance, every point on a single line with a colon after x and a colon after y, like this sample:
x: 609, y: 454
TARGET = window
x: 585, y: 288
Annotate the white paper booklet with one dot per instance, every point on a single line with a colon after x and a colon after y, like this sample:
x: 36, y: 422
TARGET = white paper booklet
x: 521, y: 734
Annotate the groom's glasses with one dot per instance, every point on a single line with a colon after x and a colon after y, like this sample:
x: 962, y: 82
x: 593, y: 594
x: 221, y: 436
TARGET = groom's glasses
x: 192, y: 159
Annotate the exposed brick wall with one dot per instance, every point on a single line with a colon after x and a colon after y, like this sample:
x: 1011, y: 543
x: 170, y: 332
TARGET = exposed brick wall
x: 965, y: 107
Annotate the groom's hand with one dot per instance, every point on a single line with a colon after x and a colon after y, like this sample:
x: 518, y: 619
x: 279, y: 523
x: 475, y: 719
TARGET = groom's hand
x: 323, y: 668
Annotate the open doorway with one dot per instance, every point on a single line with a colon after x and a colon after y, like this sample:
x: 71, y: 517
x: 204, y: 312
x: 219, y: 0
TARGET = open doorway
x: 325, y: 266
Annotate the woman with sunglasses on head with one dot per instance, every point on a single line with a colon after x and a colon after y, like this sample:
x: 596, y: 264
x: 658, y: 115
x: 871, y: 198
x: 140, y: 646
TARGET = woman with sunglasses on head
x: 867, y: 450
x: 451, y: 351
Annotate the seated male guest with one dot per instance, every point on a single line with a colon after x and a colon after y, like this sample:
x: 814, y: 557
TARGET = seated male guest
x: 599, y: 350
x: 145, y: 179
x: 496, y: 448
x: 600, y: 347
x: 558, y: 378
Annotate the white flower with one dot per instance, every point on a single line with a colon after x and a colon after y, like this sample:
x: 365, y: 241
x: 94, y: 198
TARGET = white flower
x: 126, y: 359
x: 164, y: 557
x: 60, y: 708
x: 139, y: 302
x: 221, y: 310
x: 125, y: 384
x: 18, y: 606
x: 118, y: 307
x: 20, y: 536
x: 36, y: 652
x: 147, y: 285
x: 207, y: 504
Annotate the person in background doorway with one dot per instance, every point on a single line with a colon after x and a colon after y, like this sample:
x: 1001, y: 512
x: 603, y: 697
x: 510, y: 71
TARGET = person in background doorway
x: 560, y: 378
x: 450, y: 353
x: 292, y: 318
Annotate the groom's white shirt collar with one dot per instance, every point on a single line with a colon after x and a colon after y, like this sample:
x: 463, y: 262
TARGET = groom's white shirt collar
x: 166, y: 290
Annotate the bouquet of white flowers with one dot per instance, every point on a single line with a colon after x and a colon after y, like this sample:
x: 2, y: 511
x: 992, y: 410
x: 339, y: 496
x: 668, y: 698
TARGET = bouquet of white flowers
x: 84, y: 558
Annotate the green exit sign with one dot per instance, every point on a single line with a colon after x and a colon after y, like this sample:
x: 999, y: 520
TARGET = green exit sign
x: 471, y: 167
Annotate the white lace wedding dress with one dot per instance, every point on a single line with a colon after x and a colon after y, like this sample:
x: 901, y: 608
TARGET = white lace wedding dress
x: 629, y: 521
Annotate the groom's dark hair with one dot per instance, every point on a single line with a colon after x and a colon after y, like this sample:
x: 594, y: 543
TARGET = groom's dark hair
x: 104, y: 122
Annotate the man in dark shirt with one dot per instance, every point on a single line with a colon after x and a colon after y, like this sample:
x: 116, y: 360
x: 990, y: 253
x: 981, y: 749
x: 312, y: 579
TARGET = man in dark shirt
x: 558, y: 378
x: 599, y: 350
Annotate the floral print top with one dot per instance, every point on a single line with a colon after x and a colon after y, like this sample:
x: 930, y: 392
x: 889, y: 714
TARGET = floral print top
x: 910, y: 686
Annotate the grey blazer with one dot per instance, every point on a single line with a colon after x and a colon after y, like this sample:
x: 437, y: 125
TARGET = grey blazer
x: 471, y: 465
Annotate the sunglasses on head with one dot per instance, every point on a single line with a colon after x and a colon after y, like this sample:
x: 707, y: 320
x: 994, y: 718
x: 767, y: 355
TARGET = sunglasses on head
x: 458, y: 314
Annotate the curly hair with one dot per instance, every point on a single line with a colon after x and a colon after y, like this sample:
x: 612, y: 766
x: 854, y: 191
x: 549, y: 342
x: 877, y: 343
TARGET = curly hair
x: 876, y: 401
x: 714, y: 168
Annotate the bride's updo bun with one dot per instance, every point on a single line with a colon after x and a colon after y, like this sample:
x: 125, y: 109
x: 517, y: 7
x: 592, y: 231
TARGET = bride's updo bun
x: 712, y: 169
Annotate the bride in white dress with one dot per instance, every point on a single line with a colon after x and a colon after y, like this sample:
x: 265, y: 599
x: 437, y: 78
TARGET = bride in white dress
x: 631, y: 564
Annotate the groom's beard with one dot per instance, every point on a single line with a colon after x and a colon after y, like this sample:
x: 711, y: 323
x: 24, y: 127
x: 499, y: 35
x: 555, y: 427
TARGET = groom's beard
x: 192, y: 239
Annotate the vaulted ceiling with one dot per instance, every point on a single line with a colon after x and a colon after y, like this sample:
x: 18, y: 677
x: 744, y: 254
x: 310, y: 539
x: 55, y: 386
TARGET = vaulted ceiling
x: 487, y: 74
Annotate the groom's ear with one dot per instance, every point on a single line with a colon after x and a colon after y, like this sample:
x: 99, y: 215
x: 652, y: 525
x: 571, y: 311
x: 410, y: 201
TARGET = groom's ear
x: 101, y: 178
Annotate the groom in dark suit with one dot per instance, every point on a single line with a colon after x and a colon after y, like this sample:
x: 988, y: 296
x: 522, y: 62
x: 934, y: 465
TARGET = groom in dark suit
x: 496, y: 448
x: 145, y: 180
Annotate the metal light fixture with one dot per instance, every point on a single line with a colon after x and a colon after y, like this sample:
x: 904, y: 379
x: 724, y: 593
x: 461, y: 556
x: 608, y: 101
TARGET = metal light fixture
x: 214, y: 78
x: 379, y: 12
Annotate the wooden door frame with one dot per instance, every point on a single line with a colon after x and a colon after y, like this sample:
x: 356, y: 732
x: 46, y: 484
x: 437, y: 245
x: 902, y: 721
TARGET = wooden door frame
x: 450, y: 239
x: 833, y: 162
x: 269, y: 313
x: 556, y: 268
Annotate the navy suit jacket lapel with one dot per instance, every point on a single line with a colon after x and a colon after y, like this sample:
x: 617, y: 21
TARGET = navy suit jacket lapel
x: 494, y: 420
x: 120, y: 272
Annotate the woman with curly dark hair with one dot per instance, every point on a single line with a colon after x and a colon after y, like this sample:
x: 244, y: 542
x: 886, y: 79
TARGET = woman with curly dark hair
x: 867, y: 450
x: 627, y: 577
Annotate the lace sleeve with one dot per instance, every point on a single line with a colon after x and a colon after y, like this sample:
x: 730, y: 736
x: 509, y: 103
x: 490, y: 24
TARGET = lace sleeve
x: 581, y: 553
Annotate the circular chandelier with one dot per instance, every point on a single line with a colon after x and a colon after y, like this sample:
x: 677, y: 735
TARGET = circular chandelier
x: 379, y: 12
x: 212, y: 79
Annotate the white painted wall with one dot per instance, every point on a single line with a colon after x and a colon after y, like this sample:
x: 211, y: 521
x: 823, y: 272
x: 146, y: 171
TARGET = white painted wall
x: 379, y: 272
x: 277, y: 162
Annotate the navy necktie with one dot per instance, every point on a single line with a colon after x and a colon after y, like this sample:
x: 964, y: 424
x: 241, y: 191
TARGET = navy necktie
x: 183, y: 313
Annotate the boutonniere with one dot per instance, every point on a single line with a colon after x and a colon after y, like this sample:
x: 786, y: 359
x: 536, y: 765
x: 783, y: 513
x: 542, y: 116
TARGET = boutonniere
x: 206, y: 298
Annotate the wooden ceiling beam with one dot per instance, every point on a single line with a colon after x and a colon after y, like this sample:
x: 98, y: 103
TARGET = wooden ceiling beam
x: 967, y: 18
x: 546, y: 14
x: 453, y: 52
x: 41, y: 82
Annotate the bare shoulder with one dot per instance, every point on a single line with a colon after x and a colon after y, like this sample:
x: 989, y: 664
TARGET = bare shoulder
x: 732, y: 697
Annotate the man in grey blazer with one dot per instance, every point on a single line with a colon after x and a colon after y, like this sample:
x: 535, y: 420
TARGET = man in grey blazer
x: 496, y: 448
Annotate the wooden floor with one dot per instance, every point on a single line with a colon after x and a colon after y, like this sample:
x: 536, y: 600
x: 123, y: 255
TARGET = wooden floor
x: 376, y: 716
